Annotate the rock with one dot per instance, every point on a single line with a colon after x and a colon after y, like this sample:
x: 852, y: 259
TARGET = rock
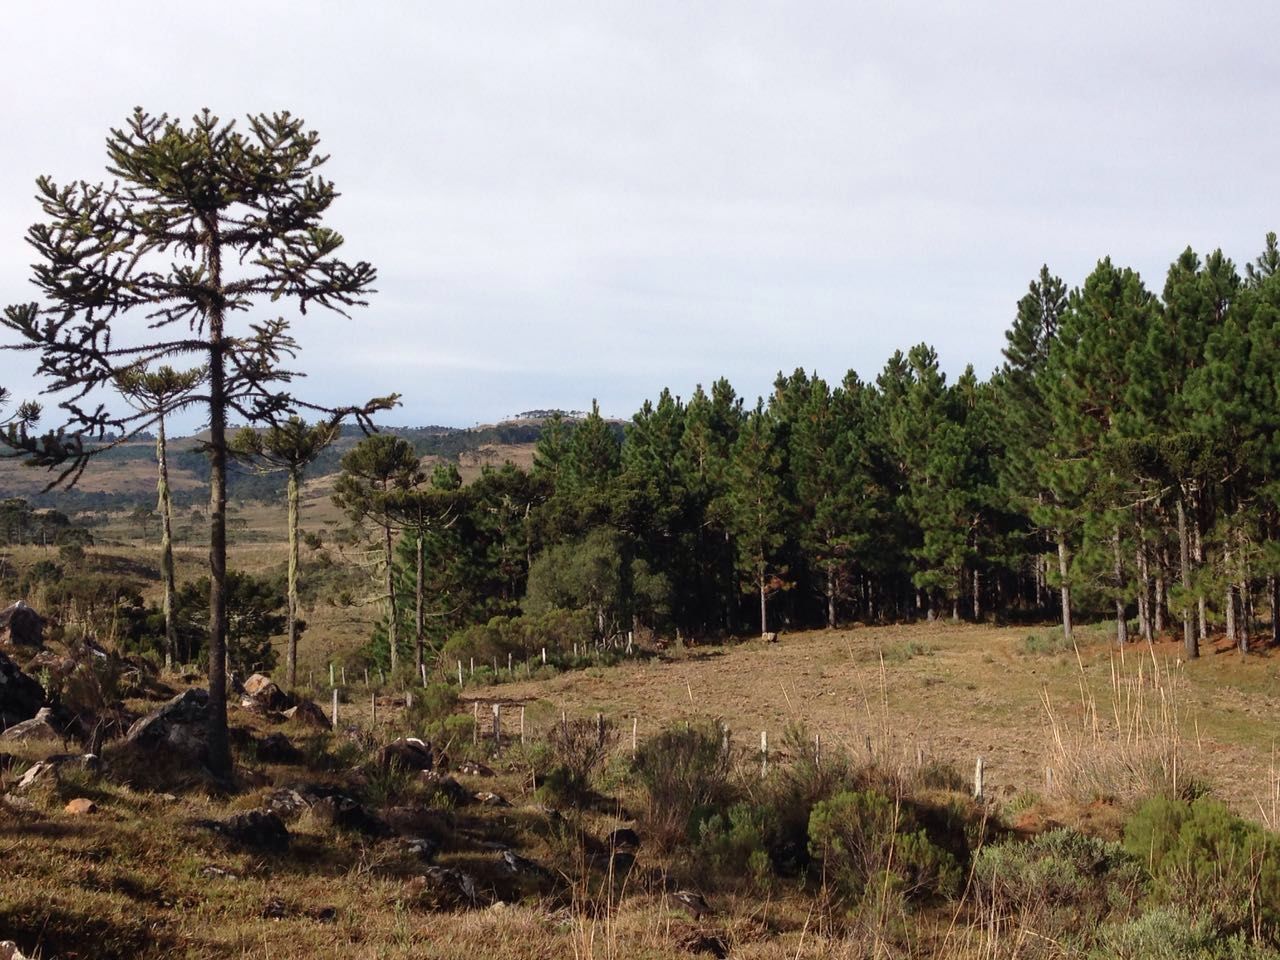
x: 178, y: 727
x: 453, y: 887
x: 277, y: 748
x: 41, y: 772
x: 693, y: 902
x: 523, y: 866
x: 9, y: 951
x: 453, y: 792
x: 264, y: 690
x: 39, y: 729
x: 21, y: 697
x: 275, y: 909
x: 623, y: 839
x: 209, y: 870
x: 259, y: 829
x: 769, y: 637
x: 80, y: 806
x: 308, y: 714
x: 287, y: 804
x: 21, y: 626
x: 699, y: 942
x: 347, y: 813
x: 473, y: 769
x: 491, y: 799
x: 408, y: 753
x: 420, y: 848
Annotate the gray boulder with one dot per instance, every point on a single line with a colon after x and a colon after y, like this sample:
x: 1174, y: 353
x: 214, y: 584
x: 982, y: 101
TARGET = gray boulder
x: 21, y: 626
x: 178, y: 727
x: 39, y: 729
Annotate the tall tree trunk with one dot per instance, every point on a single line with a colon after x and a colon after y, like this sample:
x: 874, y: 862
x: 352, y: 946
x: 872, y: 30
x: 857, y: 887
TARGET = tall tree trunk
x: 1273, y: 598
x: 1190, y: 636
x: 418, y: 638
x: 291, y: 653
x: 165, y: 506
x: 1144, y: 593
x: 977, y: 596
x: 764, y: 615
x: 1122, y: 623
x: 219, y: 750
x: 393, y: 638
x: 831, y: 599
x: 1162, y: 589
x: 1202, y: 602
x: 1063, y: 571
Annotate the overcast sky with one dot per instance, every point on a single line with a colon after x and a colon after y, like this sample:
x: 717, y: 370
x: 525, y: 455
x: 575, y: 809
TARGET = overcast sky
x: 568, y: 201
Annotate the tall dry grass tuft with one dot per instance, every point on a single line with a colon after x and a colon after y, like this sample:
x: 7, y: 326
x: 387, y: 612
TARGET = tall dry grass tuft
x: 1129, y: 739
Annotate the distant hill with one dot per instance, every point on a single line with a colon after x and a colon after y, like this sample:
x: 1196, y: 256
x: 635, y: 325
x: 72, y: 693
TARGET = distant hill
x: 126, y: 475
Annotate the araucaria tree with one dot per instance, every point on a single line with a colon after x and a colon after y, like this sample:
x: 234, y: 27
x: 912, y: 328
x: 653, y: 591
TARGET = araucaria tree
x: 291, y: 446
x: 200, y: 224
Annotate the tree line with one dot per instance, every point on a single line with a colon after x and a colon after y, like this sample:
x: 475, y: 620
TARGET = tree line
x: 1120, y: 464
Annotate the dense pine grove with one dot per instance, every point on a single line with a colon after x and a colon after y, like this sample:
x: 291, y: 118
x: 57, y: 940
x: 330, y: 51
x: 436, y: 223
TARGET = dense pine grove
x: 1119, y: 465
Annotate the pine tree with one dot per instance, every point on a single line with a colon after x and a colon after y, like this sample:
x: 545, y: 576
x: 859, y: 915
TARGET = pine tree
x: 157, y: 246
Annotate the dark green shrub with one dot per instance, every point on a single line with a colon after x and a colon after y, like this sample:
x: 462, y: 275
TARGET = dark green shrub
x: 733, y: 843
x: 1210, y: 862
x: 683, y: 772
x: 865, y: 841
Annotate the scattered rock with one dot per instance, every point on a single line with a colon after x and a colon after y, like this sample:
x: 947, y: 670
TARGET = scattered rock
x: 38, y: 729
x: 624, y: 839
x: 523, y: 866
x: 491, y: 799
x: 453, y: 792
x: 287, y: 804
x: 80, y: 806
x: 275, y: 909
x: 177, y: 727
x: 209, y: 870
x: 408, y: 753
x: 21, y: 697
x: 453, y: 888
x: 769, y: 637
x: 259, y: 829
x: 308, y: 714
x: 263, y: 689
x: 471, y: 768
x: 277, y: 748
x: 347, y: 813
x: 9, y: 951
x: 21, y: 626
x: 694, y: 903
x: 38, y: 773
x: 699, y: 942
x: 421, y: 848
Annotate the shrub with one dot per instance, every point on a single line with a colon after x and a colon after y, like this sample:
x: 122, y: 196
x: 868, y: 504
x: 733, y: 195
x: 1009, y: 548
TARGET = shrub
x: 683, y: 772
x: 1059, y: 883
x: 1170, y: 933
x: 578, y: 748
x: 865, y: 841
x: 733, y: 842
x: 1209, y: 862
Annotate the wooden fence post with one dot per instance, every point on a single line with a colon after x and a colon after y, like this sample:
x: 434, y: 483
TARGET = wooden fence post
x: 497, y: 725
x: 475, y: 721
x: 544, y: 656
x: 335, y: 708
x: 424, y: 675
x: 459, y: 674
x: 635, y: 730
x: 977, y: 779
x: 522, y: 725
x: 373, y: 709
x: 331, y: 683
x: 764, y: 753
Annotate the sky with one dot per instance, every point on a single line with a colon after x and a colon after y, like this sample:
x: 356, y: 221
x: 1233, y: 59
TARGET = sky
x: 568, y: 202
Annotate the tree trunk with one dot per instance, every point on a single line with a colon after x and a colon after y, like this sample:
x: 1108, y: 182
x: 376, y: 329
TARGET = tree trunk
x: 764, y: 616
x: 1144, y: 593
x: 393, y: 638
x: 831, y: 599
x: 165, y: 506
x: 291, y: 653
x: 1190, y: 637
x: 219, y: 751
x: 1162, y: 591
x: 1273, y: 597
x: 418, y: 640
x: 1122, y: 623
x: 1063, y: 568
x: 977, y: 596
x: 1202, y: 603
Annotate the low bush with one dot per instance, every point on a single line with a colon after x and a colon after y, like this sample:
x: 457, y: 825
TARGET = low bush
x: 867, y: 841
x: 1170, y: 933
x: 1060, y: 883
x: 577, y: 751
x: 684, y: 773
x: 1215, y: 865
